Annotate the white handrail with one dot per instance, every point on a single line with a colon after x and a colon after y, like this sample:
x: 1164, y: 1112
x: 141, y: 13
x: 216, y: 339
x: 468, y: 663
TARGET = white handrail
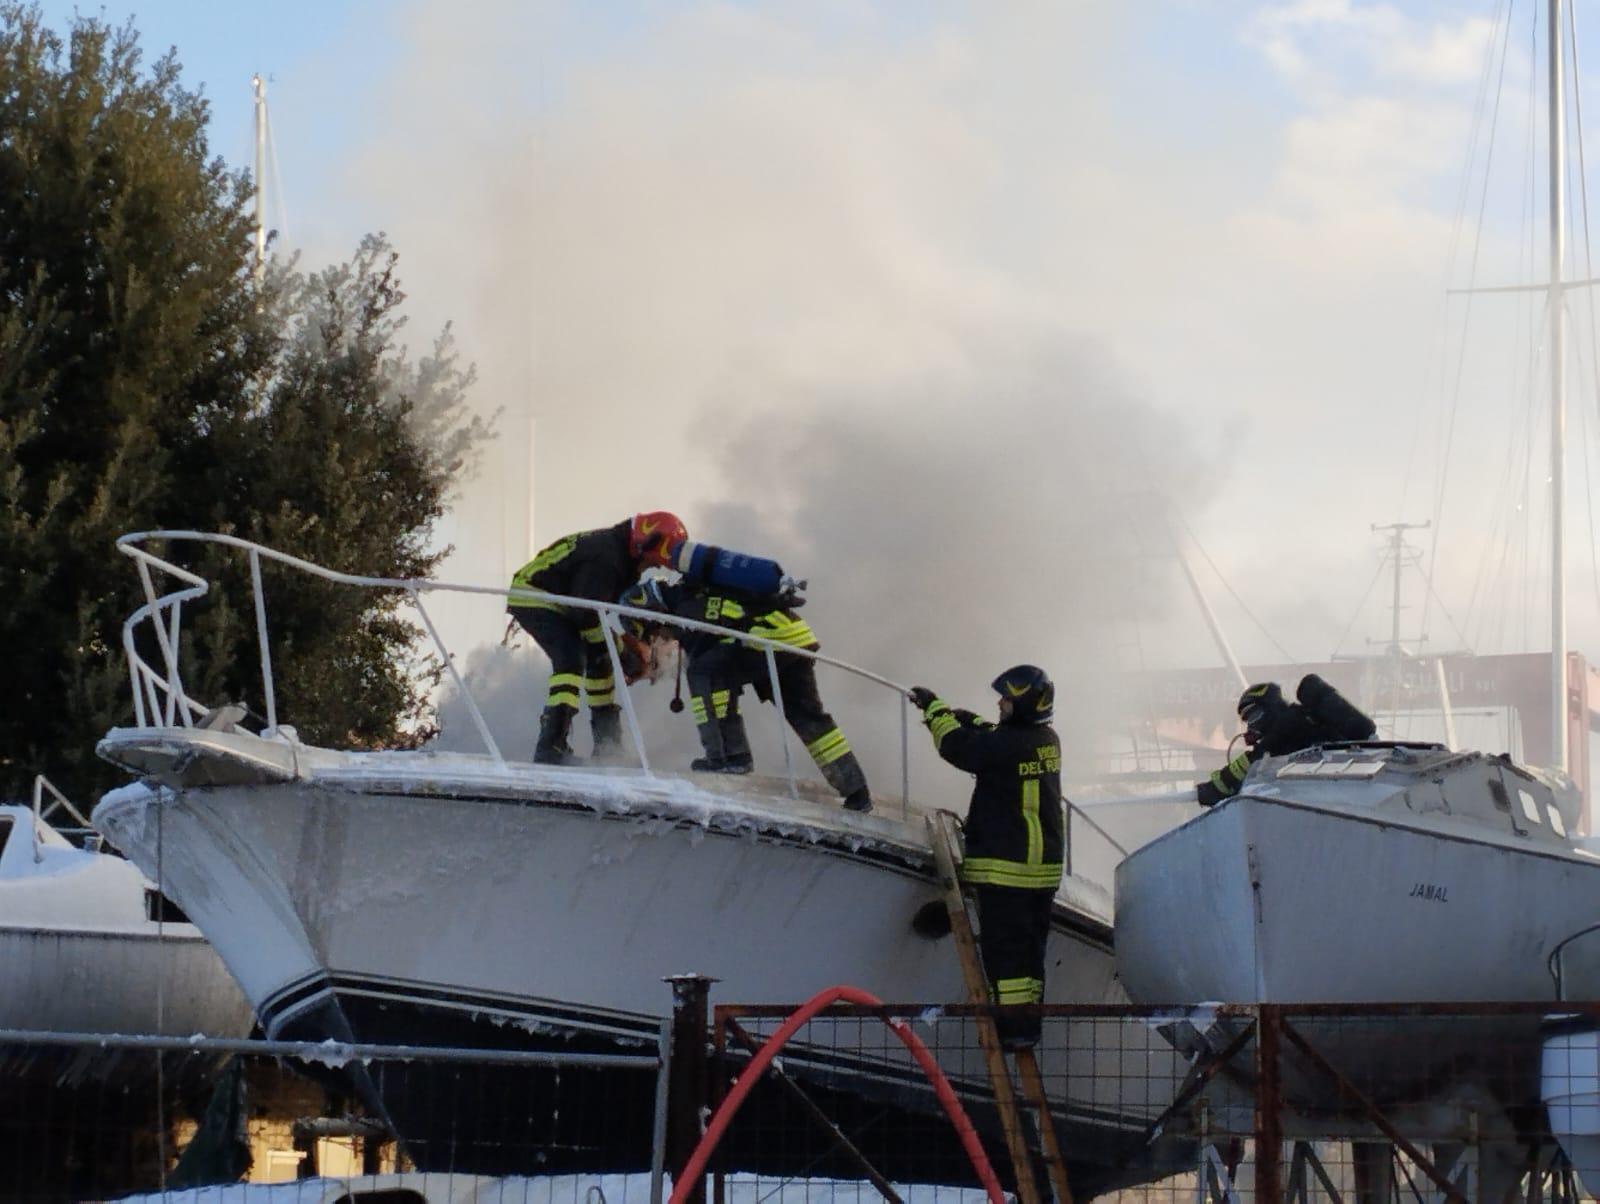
x: 162, y: 697
x: 40, y: 785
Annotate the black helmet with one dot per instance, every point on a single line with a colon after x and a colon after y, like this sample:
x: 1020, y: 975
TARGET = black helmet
x: 1030, y: 691
x: 1260, y: 706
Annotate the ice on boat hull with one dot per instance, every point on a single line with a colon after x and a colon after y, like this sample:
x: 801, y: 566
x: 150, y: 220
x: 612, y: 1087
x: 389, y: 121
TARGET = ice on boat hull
x: 444, y: 899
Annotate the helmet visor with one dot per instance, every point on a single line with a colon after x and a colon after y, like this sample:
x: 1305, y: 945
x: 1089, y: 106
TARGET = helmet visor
x: 1253, y: 715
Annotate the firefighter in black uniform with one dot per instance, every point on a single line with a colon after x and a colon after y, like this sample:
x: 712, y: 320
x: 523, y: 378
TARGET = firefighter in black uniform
x: 1276, y: 728
x: 597, y: 565
x: 720, y: 667
x: 1015, y: 834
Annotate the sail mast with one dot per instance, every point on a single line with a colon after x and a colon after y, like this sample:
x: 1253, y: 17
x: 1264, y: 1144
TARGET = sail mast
x: 1558, y: 394
x: 260, y: 87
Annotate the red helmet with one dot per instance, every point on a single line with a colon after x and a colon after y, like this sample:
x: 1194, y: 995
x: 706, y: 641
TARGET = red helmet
x: 655, y: 536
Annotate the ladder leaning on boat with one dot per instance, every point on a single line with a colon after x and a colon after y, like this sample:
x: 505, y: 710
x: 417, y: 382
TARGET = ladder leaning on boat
x: 160, y: 699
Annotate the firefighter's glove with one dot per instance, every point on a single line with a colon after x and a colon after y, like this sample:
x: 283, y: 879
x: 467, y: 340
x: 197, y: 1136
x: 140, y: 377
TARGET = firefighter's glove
x: 921, y: 697
x: 1207, y: 794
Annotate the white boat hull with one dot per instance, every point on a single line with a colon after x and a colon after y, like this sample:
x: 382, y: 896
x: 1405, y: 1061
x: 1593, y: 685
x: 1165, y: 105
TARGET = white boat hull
x: 80, y: 953
x: 118, y: 982
x: 398, y: 897
x: 1270, y: 900
x: 1265, y: 900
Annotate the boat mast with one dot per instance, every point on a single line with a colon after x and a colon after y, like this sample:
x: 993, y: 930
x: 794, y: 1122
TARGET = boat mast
x: 260, y: 87
x: 1558, y: 395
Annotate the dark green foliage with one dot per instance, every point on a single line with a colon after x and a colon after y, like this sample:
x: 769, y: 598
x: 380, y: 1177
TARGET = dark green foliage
x: 147, y: 380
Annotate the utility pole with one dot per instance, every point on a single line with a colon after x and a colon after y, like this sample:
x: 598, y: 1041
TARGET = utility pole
x: 260, y: 87
x: 1397, y: 557
x: 1397, y: 554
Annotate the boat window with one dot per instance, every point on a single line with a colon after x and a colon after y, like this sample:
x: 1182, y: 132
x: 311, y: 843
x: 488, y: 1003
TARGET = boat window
x: 159, y: 908
x: 1530, y: 808
x: 1336, y: 767
x: 5, y: 831
x: 386, y: 1195
x: 1556, y: 821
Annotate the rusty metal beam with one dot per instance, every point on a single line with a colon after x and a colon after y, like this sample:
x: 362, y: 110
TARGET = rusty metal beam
x: 1203, y: 1071
x: 1452, y: 1193
x: 1269, y: 1105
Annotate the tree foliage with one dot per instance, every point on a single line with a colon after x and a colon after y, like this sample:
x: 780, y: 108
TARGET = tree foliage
x: 148, y: 380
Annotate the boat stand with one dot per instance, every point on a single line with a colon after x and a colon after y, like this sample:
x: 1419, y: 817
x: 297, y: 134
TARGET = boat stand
x: 1215, y: 1182
x: 942, y: 837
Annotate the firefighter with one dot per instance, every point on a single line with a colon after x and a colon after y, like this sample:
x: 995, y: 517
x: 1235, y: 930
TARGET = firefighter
x: 1015, y: 834
x: 1274, y: 727
x: 596, y: 565
x: 720, y: 667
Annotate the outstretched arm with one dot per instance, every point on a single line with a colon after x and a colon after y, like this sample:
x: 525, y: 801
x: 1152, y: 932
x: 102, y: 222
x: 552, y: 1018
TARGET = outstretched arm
x: 959, y: 736
x: 1226, y: 781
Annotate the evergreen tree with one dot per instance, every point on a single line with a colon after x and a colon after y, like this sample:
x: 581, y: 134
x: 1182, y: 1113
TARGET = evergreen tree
x: 149, y: 380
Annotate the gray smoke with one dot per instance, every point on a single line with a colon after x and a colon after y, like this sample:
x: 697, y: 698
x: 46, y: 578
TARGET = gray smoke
x: 1009, y: 512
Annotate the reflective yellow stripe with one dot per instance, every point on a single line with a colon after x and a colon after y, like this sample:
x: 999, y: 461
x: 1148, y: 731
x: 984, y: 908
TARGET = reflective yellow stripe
x: 593, y: 635
x: 828, y: 747
x: 719, y: 703
x: 524, y: 604
x: 563, y: 690
x: 1019, y: 990
x: 994, y: 871
x: 603, y: 698
x: 554, y: 554
x: 697, y: 708
x: 782, y: 629
x: 1030, y: 816
x: 941, y: 725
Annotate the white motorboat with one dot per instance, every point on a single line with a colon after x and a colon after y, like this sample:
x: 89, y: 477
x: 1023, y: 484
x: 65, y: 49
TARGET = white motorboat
x: 87, y: 945
x: 461, y: 899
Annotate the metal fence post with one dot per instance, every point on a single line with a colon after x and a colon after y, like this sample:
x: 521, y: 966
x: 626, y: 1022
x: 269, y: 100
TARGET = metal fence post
x: 1269, y: 1128
x: 687, y: 1081
x: 658, y: 1132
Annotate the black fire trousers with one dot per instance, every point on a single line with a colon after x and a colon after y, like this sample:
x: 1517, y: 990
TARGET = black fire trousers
x: 578, y: 657
x: 1014, y: 926
x: 728, y: 667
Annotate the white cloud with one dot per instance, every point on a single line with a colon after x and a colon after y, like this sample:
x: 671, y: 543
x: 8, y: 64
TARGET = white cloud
x: 1318, y: 45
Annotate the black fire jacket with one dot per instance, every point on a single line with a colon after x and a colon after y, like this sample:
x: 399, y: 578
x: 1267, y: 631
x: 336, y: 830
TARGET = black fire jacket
x: 1015, y: 831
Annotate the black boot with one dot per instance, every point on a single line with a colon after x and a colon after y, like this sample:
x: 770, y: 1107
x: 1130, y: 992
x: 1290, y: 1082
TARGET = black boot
x: 727, y: 750
x: 722, y: 765
x: 736, y: 756
x: 552, y: 749
x: 606, y: 723
x: 845, y: 776
x: 859, y: 800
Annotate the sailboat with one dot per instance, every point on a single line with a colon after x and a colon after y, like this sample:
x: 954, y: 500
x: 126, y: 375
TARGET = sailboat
x: 1394, y: 873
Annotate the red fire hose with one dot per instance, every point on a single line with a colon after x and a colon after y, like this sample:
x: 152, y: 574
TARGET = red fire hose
x: 696, y: 1165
